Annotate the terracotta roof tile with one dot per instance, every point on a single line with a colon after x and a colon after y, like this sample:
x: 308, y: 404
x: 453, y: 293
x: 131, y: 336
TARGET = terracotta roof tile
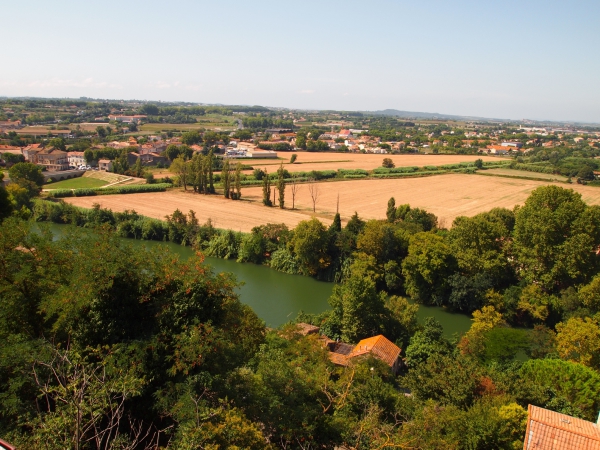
x: 380, y: 347
x: 549, y: 430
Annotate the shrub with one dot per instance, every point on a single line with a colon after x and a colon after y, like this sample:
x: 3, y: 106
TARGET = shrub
x: 345, y: 172
x: 127, y: 189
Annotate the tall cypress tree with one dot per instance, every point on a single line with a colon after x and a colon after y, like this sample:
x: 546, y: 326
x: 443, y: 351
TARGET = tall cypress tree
x: 391, y: 210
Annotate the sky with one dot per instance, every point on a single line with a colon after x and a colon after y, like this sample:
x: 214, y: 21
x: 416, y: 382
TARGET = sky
x: 523, y: 59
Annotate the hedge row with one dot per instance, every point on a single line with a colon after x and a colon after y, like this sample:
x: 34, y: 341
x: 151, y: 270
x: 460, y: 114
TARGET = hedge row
x: 345, y: 172
x: 396, y: 169
x: 127, y: 189
x: 532, y: 168
x: 404, y: 175
x: 355, y: 175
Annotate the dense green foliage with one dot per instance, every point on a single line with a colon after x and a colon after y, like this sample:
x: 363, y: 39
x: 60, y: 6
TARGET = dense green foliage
x: 203, y: 365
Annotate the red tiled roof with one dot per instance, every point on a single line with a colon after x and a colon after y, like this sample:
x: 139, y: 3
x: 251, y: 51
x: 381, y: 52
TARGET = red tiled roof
x: 379, y: 346
x: 549, y: 430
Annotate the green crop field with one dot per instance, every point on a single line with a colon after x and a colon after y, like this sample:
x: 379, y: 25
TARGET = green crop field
x: 522, y: 173
x: 76, y: 183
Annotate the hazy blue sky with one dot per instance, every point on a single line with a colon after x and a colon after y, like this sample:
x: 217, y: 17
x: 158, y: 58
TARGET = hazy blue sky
x: 504, y: 59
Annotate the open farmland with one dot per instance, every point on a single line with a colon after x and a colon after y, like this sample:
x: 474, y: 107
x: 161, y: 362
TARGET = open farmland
x: 234, y: 215
x: 41, y: 130
x: 447, y: 196
x: 332, y: 161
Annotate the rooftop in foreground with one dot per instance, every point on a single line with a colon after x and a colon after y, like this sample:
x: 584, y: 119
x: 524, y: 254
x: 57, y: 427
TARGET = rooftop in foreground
x: 549, y: 430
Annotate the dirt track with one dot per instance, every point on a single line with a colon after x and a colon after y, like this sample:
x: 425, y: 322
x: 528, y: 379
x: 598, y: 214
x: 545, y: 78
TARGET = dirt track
x: 447, y: 196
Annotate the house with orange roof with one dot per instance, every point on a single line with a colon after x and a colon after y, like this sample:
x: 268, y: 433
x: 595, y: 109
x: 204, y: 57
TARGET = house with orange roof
x: 549, y: 430
x: 343, y: 354
x: 380, y: 347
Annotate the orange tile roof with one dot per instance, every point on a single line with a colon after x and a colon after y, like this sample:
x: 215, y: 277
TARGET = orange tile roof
x: 379, y: 346
x: 549, y: 430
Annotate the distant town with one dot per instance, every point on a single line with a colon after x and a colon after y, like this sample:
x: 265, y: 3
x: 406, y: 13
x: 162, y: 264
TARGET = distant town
x: 62, y: 135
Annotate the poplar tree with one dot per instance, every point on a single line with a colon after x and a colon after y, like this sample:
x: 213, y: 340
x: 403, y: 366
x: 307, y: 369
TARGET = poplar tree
x: 238, y: 182
x: 211, y: 161
x: 267, y: 189
x: 225, y: 178
x: 281, y: 186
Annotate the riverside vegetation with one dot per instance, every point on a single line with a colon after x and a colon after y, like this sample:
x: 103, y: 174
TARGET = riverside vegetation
x: 106, y: 345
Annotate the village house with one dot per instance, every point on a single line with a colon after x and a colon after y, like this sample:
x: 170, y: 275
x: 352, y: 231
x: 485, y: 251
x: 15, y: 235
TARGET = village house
x: 380, y: 347
x: 127, y: 119
x: 147, y: 159
x: 343, y: 354
x: 497, y: 150
x: 512, y: 144
x: 53, y: 159
x: 76, y: 159
x: 549, y: 430
x: 105, y: 164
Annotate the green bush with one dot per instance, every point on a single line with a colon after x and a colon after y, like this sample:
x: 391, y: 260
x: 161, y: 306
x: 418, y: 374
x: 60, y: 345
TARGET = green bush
x: 404, y: 175
x: 345, y: 172
x: 396, y: 170
x: 127, y: 189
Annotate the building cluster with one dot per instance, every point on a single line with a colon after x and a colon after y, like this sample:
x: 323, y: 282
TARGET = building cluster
x: 343, y: 354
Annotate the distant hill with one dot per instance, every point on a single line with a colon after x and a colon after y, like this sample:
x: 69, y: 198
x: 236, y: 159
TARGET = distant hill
x: 426, y: 115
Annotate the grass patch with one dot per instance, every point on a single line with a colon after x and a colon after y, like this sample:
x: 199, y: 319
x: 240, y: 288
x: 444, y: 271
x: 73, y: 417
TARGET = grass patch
x: 76, y: 183
x: 524, y: 174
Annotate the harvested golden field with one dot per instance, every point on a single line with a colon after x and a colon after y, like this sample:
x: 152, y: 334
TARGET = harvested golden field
x: 447, y: 196
x: 234, y: 215
x: 307, y: 161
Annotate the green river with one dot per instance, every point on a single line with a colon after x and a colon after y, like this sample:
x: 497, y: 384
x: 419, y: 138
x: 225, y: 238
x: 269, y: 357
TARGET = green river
x: 278, y: 297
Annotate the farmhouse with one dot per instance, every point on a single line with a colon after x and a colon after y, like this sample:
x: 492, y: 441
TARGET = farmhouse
x: 551, y: 430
